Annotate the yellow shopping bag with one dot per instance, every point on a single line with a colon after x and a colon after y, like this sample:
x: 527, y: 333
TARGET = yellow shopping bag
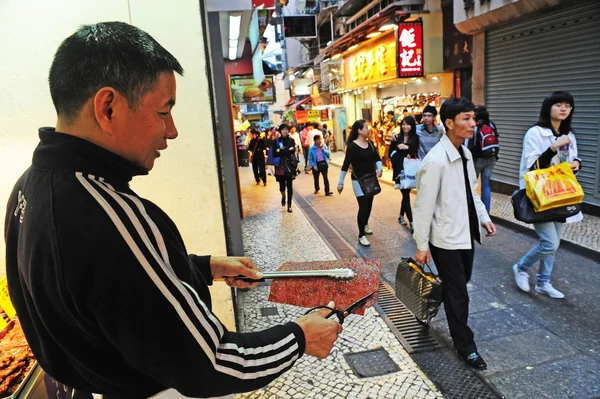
x: 553, y: 187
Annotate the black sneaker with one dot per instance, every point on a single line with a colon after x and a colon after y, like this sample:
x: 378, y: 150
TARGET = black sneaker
x: 475, y: 361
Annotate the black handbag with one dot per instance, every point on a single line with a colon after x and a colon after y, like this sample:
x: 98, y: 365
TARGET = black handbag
x: 369, y: 184
x: 290, y: 165
x: 418, y: 290
x: 524, y: 212
x: 321, y: 166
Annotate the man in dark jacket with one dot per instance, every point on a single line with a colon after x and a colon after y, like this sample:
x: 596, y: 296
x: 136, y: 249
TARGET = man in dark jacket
x: 109, y: 299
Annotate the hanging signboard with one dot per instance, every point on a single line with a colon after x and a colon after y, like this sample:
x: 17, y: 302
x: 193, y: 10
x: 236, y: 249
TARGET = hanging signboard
x: 324, y: 115
x: 370, y: 64
x: 301, y: 116
x: 244, y: 90
x: 313, y: 115
x: 410, y: 49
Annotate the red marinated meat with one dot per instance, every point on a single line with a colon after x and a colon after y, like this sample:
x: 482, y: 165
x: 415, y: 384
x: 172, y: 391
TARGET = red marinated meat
x: 314, y: 291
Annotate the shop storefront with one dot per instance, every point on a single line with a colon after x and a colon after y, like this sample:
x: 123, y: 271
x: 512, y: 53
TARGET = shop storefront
x: 556, y: 49
x: 393, y: 73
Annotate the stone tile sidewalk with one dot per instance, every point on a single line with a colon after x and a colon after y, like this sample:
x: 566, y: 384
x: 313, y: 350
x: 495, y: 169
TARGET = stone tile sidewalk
x: 272, y: 236
x: 585, y: 233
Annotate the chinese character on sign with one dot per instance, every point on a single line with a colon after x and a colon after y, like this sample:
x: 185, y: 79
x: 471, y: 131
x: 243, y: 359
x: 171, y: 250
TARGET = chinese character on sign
x: 381, y: 60
x: 410, y: 49
x: 407, y: 38
x: 465, y: 47
x: 456, y: 51
x: 409, y: 59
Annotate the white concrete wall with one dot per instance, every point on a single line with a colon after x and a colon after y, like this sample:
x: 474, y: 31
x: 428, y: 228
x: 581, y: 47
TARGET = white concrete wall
x: 184, y: 181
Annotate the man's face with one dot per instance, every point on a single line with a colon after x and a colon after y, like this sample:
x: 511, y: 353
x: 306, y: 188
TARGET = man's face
x: 318, y: 142
x: 147, y: 128
x: 428, y: 119
x: 462, y: 126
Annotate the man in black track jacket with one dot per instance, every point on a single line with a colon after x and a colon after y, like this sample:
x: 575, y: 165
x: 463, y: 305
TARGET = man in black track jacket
x: 108, y: 297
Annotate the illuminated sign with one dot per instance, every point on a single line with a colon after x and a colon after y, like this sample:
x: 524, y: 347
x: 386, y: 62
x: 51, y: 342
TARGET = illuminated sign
x: 410, y: 49
x: 372, y: 64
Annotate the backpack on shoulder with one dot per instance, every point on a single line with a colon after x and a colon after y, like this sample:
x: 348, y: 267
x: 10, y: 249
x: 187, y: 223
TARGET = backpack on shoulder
x: 486, y: 137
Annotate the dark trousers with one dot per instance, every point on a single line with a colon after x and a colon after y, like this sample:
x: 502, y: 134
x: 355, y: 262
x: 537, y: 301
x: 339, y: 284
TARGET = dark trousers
x: 305, y: 153
x: 290, y: 190
x: 455, y: 267
x: 316, y: 174
x: 365, y: 204
x: 405, y: 208
x: 258, y: 167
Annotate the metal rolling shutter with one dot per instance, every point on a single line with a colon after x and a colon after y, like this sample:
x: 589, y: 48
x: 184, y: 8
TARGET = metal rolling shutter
x: 526, y: 60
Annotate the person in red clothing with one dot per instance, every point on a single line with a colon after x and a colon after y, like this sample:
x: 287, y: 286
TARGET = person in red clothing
x: 110, y: 301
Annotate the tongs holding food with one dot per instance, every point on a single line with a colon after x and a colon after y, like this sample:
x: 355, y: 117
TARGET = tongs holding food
x: 342, y: 314
x: 341, y: 274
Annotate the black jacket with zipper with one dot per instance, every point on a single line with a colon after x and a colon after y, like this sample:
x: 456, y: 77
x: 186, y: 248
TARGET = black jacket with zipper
x: 108, y: 297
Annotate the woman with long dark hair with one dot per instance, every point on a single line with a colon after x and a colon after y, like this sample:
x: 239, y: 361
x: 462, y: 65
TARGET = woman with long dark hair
x: 549, y: 142
x: 284, y: 148
x: 364, y: 159
x: 404, y: 145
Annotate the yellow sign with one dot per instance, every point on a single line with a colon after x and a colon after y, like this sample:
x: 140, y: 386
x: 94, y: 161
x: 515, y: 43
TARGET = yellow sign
x: 5, y: 302
x: 3, y: 323
x: 244, y: 126
x: 372, y: 64
x: 314, y: 115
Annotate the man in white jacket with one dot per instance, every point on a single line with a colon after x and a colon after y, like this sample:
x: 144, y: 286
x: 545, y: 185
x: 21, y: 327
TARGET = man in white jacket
x: 448, y: 218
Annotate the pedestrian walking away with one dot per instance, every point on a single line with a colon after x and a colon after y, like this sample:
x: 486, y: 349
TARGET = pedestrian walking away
x: 484, y: 146
x: 429, y: 133
x: 258, y: 147
x: 109, y: 300
x: 285, y: 148
x: 318, y: 159
x: 446, y: 199
x: 269, y: 139
x: 548, y: 143
x: 364, y: 159
x: 405, y: 145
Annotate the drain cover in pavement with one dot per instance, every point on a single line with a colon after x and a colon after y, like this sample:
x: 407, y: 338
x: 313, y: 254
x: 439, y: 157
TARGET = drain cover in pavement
x: 269, y: 311
x: 371, y: 363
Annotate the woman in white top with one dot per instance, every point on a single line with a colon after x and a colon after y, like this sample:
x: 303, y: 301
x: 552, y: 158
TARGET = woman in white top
x: 549, y: 142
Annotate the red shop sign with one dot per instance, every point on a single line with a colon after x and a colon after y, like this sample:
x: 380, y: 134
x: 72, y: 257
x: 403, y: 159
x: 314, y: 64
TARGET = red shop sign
x: 324, y: 115
x: 301, y: 116
x: 410, y: 49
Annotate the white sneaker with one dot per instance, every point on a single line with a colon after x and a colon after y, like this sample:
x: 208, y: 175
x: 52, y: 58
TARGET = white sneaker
x: 548, y: 289
x: 364, y: 241
x: 368, y: 230
x: 521, y: 278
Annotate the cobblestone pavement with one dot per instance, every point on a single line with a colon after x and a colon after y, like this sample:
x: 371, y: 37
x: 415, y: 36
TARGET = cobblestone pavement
x: 535, y: 346
x: 273, y: 236
x: 585, y: 233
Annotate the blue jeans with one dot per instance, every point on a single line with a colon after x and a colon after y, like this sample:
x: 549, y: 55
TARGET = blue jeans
x: 485, y: 167
x: 543, y: 252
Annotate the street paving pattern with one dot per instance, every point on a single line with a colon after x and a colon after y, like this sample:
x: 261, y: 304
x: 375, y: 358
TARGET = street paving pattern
x: 535, y: 346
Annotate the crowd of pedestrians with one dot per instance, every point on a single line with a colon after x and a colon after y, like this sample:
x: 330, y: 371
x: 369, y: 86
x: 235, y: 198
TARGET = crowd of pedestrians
x: 446, y: 158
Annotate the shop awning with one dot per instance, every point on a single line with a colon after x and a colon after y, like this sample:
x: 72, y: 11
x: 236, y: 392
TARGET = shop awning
x: 295, y: 102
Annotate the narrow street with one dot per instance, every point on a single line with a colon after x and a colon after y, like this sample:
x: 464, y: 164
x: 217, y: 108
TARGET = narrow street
x: 535, y: 346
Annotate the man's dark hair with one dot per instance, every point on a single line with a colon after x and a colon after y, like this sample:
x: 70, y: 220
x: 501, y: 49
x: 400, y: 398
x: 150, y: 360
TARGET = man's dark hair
x: 316, y: 137
x: 112, y: 54
x: 482, y: 114
x: 316, y: 125
x: 556, y: 97
x: 454, y: 106
x: 390, y: 112
x: 324, y: 126
x: 430, y: 109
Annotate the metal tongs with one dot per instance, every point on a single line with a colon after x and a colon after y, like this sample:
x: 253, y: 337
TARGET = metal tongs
x: 342, y: 314
x: 340, y: 274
